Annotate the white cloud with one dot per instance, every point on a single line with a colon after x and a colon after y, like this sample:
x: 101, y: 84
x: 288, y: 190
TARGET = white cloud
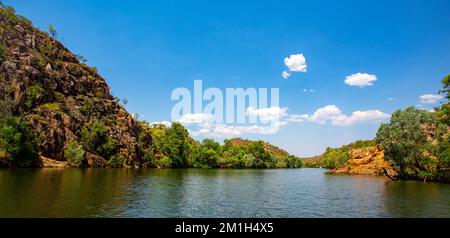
x: 228, y: 131
x: 361, y: 117
x: 202, y: 124
x: 430, y: 98
x: 360, y: 79
x: 196, y: 118
x: 321, y: 115
x: 334, y: 115
x: 391, y: 99
x: 285, y: 74
x: 297, y: 118
x: 295, y: 63
x: 268, y: 114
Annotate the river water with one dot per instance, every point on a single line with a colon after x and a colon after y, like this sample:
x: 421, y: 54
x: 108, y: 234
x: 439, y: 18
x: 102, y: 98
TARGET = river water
x: 214, y: 193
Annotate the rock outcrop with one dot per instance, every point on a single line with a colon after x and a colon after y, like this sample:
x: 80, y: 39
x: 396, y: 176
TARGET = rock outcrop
x: 45, y: 83
x: 366, y: 161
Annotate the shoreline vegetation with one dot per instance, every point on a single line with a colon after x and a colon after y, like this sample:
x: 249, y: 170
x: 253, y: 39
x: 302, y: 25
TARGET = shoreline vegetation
x: 56, y: 111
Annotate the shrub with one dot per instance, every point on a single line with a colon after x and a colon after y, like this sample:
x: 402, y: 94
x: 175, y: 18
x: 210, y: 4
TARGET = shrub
x: 293, y: 162
x: 10, y: 13
x: 18, y: 144
x: 6, y: 105
x: 164, y: 162
x: 363, y: 143
x: 333, y: 158
x: 88, y: 107
x: 54, y: 107
x: 59, y: 96
x: 263, y: 158
x: 249, y: 161
x: 108, y: 148
x: 2, y: 52
x: 117, y: 161
x: 95, y: 137
x: 31, y: 94
x: 207, y: 155
x: 281, y: 163
x: 74, y: 154
x: 99, y: 94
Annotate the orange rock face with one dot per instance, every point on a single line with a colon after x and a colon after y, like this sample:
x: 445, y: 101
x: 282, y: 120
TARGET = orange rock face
x: 366, y: 161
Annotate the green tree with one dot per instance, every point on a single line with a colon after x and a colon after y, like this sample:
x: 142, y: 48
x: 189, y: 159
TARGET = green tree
x: 117, y: 161
x: 333, y: 158
x: 18, y: 144
x: 263, y: 158
x: 207, y: 155
x: 172, y: 143
x: 249, y: 161
x: 95, y: 137
x: 444, y: 111
x: 74, y: 154
x: 52, y: 31
x: 81, y: 58
x: 446, y: 86
x: 176, y: 144
x: 407, y: 141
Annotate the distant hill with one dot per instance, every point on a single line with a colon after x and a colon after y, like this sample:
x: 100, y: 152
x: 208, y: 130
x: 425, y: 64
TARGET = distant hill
x: 274, y: 150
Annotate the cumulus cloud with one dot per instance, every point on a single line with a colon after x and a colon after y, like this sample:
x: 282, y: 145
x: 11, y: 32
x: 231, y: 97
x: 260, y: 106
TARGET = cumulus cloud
x: 228, y: 131
x: 268, y: 114
x: 295, y: 63
x: 360, y: 80
x: 430, y: 98
x: 335, y: 116
x: 297, y: 118
x: 272, y: 114
x: 201, y: 124
x: 329, y: 112
x: 362, y: 117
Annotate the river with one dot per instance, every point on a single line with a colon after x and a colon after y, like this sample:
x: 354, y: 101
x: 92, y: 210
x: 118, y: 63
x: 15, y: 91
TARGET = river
x: 214, y: 193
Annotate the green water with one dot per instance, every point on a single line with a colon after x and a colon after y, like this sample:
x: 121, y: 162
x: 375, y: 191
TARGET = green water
x: 214, y: 193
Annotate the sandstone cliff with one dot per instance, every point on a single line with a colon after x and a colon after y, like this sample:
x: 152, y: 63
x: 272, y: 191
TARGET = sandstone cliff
x: 366, y: 161
x: 44, y: 82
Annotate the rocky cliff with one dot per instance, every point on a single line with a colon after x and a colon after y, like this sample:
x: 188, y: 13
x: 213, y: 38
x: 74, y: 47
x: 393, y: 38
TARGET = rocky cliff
x: 43, y: 82
x: 366, y: 161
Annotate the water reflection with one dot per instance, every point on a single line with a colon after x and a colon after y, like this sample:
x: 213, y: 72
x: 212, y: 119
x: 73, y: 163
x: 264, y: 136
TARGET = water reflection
x: 214, y: 193
x: 414, y: 199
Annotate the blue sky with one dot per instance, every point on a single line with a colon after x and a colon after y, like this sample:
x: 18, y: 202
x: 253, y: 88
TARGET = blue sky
x: 145, y: 49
